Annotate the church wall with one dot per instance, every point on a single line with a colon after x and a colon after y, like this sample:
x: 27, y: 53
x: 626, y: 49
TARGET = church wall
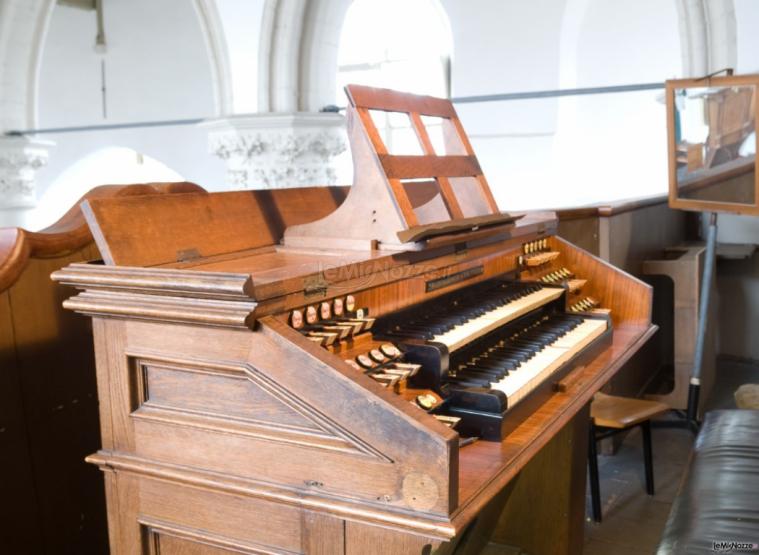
x: 566, y: 148
x: 156, y: 69
x: 738, y: 281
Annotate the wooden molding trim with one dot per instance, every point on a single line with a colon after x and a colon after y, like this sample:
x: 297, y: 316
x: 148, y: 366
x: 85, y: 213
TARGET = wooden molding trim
x: 163, y: 281
x: 320, y: 432
x: 610, y: 209
x: 426, y: 524
x: 70, y: 232
x: 185, y: 310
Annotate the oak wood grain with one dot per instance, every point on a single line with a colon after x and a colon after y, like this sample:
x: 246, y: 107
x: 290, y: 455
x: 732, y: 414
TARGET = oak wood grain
x: 176, y: 228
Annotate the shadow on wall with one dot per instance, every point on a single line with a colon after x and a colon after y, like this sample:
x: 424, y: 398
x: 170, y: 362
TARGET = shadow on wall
x: 107, y: 166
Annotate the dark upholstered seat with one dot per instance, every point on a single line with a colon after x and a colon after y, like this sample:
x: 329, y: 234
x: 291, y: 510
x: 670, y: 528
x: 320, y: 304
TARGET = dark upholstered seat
x: 718, y: 500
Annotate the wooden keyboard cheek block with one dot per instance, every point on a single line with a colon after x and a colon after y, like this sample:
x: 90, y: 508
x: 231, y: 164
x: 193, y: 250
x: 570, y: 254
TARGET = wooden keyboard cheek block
x: 220, y: 400
x: 629, y: 299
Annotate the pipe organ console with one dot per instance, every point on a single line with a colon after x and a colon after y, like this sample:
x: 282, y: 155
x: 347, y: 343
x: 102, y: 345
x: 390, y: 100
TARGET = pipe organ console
x: 277, y: 375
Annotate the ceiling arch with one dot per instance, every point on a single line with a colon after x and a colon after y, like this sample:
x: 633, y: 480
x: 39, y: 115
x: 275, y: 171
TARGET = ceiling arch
x: 23, y: 26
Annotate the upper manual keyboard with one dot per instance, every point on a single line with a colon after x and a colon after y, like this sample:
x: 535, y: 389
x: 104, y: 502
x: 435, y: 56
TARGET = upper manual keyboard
x: 457, y: 320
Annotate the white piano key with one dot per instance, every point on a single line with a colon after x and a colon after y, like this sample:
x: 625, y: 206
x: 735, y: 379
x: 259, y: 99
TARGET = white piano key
x: 477, y: 327
x: 531, y: 373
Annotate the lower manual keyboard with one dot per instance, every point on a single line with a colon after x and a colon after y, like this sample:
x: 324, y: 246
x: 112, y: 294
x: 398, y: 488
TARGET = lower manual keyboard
x: 490, y: 381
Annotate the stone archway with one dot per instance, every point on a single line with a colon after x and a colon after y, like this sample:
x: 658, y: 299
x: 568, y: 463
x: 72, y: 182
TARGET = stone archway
x: 290, y: 142
x: 23, y: 31
x: 708, y: 35
x: 298, y: 54
x: 23, y: 26
x: 218, y: 55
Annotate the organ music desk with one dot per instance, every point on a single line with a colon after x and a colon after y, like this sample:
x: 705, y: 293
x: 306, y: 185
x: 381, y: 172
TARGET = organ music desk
x: 301, y: 371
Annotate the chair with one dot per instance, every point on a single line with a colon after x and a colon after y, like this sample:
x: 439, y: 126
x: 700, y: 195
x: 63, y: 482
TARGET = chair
x: 610, y: 415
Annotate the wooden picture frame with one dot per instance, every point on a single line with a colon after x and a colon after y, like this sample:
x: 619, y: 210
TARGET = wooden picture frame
x: 736, y: 173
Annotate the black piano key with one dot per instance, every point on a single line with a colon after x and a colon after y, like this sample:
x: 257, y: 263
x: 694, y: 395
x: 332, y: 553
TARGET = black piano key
x: 466, y: 381
x: 481, y: 373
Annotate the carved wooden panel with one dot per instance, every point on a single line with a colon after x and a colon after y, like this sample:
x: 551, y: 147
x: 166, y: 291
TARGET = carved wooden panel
x: 176, y: 519
x: 233, y: 399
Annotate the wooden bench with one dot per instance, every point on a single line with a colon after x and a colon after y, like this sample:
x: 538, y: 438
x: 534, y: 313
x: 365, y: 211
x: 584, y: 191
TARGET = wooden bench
x: 718, y: 500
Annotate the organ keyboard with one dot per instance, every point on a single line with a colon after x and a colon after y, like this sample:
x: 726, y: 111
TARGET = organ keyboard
x: 461, y: 321
x: 322, y: 364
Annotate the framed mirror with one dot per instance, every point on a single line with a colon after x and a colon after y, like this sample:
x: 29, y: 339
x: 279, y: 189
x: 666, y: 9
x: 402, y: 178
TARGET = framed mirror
x: 711, y: 129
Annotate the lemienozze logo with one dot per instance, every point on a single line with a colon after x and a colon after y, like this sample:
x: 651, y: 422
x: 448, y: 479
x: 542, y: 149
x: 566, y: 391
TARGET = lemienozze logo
x: 728, y: 546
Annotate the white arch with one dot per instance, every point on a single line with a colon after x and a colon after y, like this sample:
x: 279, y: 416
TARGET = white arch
x: 218, y: 54
x: 297, y: 62
x: 708, y: 36
x: 23, y: 27
x: 23, y: 30
x: 319, y: 50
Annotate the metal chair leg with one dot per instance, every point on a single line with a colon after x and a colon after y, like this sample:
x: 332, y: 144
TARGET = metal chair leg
x: 595, y: 488
x: 647, y: 456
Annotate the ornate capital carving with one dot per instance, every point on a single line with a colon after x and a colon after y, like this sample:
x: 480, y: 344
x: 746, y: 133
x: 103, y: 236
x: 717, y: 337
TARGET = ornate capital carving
x: 20, y: 159
x: 269, y: 151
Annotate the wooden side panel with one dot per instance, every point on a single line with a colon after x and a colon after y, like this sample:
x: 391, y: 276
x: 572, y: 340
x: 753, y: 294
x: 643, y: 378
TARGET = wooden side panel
x: 552, y: 485
x: 219, y: 518
x: 307, y: 426
x: 371, y: 540
x: 159, y: 517
x: 629, y: 299
x: 19, y: 510
x: 165, y: 543
x: 323, y: 534
x: 212, y: 392
x: 124, y: 531
x: 58, y: 390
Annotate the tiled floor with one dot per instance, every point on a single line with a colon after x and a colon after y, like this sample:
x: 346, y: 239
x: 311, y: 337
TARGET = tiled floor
x: 633, y: 521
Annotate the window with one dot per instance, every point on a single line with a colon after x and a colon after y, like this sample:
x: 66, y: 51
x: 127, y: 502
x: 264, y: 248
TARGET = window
x: 395, y: 44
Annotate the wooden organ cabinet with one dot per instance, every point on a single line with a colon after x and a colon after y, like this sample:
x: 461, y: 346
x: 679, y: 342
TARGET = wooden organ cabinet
x: 280, y: 374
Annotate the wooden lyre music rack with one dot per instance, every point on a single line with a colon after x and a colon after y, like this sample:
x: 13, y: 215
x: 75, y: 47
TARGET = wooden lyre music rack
x: 398, y: 199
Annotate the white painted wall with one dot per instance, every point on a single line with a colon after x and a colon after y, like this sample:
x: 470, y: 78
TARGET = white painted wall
x: 156, y: 65
x: 535, y: 153
x: 747, y: 20
x: 573, y: 150
x: 156, y: 68
x: 744, y: 229
x: 503, y: 47
x: 242, y: 29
